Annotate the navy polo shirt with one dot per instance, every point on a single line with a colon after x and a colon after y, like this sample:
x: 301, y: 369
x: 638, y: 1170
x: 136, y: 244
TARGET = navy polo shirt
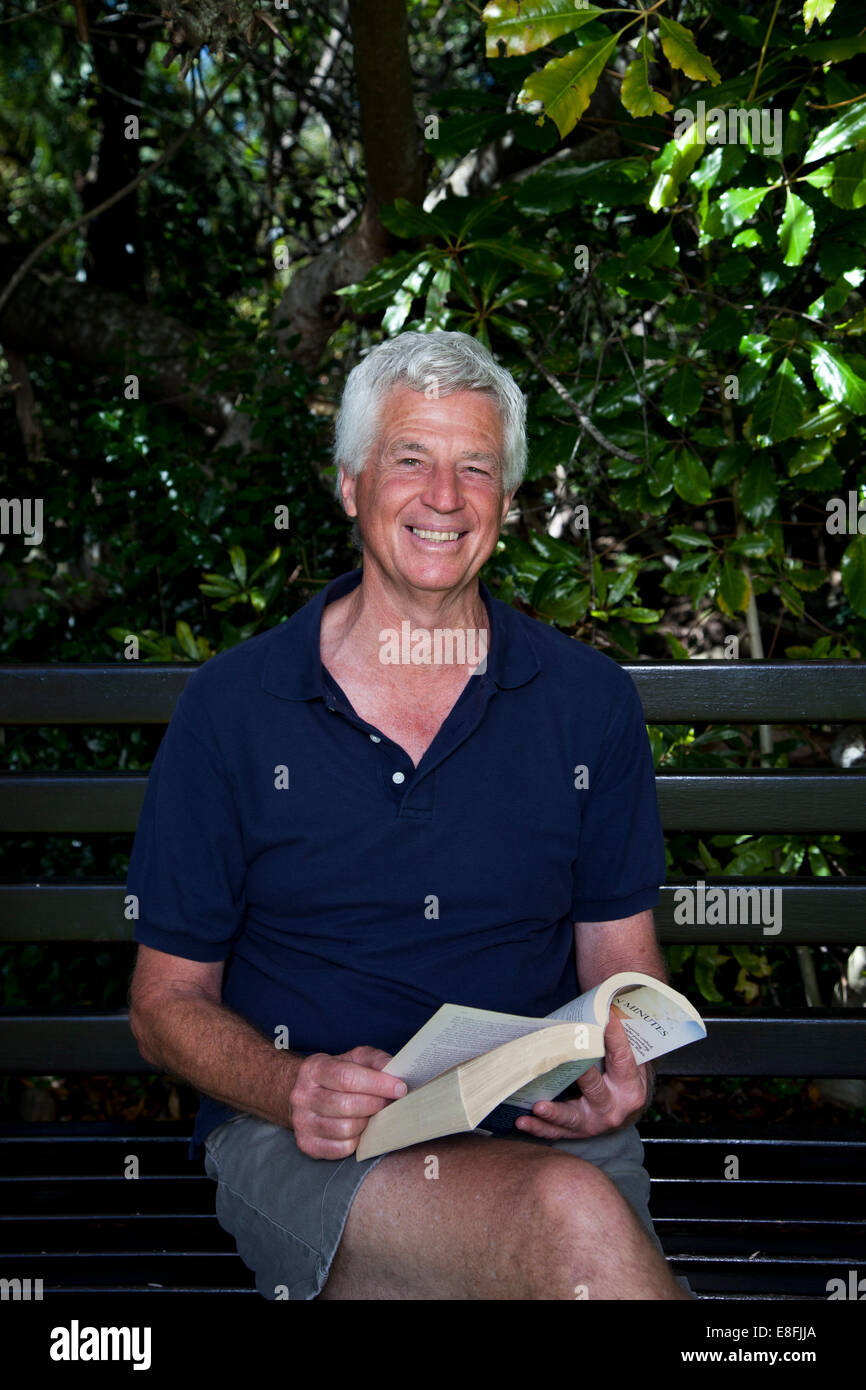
x: 350, y: 893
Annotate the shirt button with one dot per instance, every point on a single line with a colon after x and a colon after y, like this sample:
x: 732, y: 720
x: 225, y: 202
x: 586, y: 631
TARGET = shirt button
x: 375, y: 738
x: 398, y: 777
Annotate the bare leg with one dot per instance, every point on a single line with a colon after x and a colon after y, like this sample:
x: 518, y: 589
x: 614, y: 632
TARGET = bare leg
x: 503, y: 1220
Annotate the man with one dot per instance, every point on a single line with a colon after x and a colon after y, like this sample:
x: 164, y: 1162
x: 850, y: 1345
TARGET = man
x: 341, y: 833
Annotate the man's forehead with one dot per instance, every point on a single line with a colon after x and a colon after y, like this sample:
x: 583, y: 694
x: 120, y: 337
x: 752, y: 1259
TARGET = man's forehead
x: 412, y: 420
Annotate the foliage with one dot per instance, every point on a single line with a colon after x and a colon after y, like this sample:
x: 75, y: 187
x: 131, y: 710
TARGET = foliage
x: 697, y: 302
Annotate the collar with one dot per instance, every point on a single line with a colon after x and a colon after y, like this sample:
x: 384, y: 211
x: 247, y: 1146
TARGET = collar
x: 293, y: 668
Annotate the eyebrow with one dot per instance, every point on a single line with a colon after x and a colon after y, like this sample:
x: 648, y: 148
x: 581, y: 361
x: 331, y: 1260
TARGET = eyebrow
x: 414, y: 446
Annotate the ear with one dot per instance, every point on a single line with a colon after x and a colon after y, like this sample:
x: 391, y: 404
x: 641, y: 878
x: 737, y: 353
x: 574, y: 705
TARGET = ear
x: 348, y: 486
x: 506, y: 504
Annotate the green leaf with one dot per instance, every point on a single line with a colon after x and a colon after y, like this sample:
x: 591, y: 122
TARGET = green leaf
x: 691, y: 479
x: 796, y: 229
x: 239, y: 563
x: 561, y: 186
x: 687, y: 538
x: 682, y: 396
x: 848, y: 130
x: 524, y: 25
x: 753, y: 546
x: 734, y: 590
x: 737, y: 205
x: 836, y: 378
x: 678, y: 651
x: 779, y: 408
x: 217, y: 584
x: 854, y: 574
x: 827, y: 419
x: 758, y: 347
x: 184, y: 635
x: 636, y: 94
x: 809, y: 457
x: 521, y: 255
x: 675, y: 163
x: 560, y: 595
x: 638, y: 615
x: 817, y: 9
x: 707, y: 961
x: 565, y: 86
x: 848, y: 186
x: 681, y: 52
x: 709, y: 861
x: 405, y: 219
x: 834, y: 50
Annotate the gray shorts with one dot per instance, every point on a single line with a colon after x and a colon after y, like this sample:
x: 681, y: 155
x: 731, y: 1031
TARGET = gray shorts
x: 286, y: 1211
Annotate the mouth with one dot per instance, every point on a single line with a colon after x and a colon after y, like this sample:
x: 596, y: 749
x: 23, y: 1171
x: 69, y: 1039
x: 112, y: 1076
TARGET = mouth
x: 429, y: 535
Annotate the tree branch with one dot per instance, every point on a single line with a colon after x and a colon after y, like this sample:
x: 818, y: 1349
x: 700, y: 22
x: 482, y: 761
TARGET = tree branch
x: 594, y: 433
x: 68, y: 227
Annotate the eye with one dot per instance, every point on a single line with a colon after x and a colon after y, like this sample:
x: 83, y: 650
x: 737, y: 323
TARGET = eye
x: 410, y: 460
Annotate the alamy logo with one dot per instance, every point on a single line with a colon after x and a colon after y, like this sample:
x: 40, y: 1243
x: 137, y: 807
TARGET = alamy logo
x: 718, y: 907
x: 735, y: 126
x: 22, y: 517
x: 21, y: 1290
x: 444, y: 646
x: 76, y: 1343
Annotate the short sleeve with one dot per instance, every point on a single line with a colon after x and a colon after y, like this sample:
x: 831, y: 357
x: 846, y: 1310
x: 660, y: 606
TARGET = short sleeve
x: 187, y: 867
x: 621, y: 856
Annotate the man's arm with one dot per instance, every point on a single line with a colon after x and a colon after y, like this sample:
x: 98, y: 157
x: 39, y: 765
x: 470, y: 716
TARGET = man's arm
x: 625, y: 943
x: 620, y: 1096
x: 180, y: 1023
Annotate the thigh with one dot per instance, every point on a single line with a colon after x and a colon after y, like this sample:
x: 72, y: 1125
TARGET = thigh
x: 467, y: 1217
x: 285, y: 1210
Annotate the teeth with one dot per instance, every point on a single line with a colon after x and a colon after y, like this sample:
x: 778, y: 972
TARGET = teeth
x: 436, y: 535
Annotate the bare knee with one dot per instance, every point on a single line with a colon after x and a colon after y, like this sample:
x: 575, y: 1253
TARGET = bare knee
x: 591, y: 1238
x: 572, y: 1195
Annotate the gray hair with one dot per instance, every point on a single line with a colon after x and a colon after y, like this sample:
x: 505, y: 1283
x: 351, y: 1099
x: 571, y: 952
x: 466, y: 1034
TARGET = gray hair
x: 439, y: 363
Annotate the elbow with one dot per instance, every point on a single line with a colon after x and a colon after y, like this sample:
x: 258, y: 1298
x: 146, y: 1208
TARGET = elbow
x: 139, y: 1030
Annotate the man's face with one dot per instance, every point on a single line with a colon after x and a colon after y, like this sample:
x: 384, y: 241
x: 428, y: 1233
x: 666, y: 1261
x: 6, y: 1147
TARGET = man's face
x: 435, y: 468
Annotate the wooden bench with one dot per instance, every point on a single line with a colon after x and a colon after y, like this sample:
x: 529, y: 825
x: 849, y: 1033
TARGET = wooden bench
x: 788, y: 1224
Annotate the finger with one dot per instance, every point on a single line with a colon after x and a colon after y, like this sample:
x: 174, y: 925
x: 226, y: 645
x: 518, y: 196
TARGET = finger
x: 543, y: 1129
x: 336, y: 1127
x: 594, y: 1088
x: 344, y: 1104
x: 619, y: 1060
x: 338, y: 1074
x: 369, y: 1057
x: 569, y: 1116
x: 316, y: 1147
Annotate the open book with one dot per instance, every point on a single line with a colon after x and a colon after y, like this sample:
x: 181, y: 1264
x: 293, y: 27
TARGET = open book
x: 468, y: 1065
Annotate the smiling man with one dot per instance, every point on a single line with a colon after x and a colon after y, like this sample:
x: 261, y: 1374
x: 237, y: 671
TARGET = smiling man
x: 333, y: 844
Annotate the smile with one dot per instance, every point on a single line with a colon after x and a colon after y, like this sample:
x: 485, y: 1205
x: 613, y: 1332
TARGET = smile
x: 438, y: 536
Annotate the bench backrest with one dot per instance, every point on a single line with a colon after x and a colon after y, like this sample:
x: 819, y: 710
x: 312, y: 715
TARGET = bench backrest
x: 740, y: 1042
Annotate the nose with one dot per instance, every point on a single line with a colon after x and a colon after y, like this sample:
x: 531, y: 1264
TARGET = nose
x: 442, y: 490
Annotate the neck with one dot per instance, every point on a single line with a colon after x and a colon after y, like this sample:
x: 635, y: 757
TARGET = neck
x: 378, y: 607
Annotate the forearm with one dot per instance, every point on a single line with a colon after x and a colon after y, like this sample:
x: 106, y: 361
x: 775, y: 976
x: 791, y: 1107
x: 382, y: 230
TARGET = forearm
x: 219, y: 1053
x: 606, y: 948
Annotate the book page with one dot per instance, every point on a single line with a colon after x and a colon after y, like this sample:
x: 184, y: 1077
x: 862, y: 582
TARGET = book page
x: 653, y: 1023
x: 456, y: 1034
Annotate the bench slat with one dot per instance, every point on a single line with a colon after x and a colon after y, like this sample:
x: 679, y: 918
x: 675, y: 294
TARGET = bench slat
x: 760, y: 801
x: 740, y: 1042
x: 673, y: 692
x: 829, y: 911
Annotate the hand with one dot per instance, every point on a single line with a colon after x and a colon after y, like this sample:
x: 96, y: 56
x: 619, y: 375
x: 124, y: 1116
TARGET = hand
x: 608, y: 1102
x: 333, y: 1098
